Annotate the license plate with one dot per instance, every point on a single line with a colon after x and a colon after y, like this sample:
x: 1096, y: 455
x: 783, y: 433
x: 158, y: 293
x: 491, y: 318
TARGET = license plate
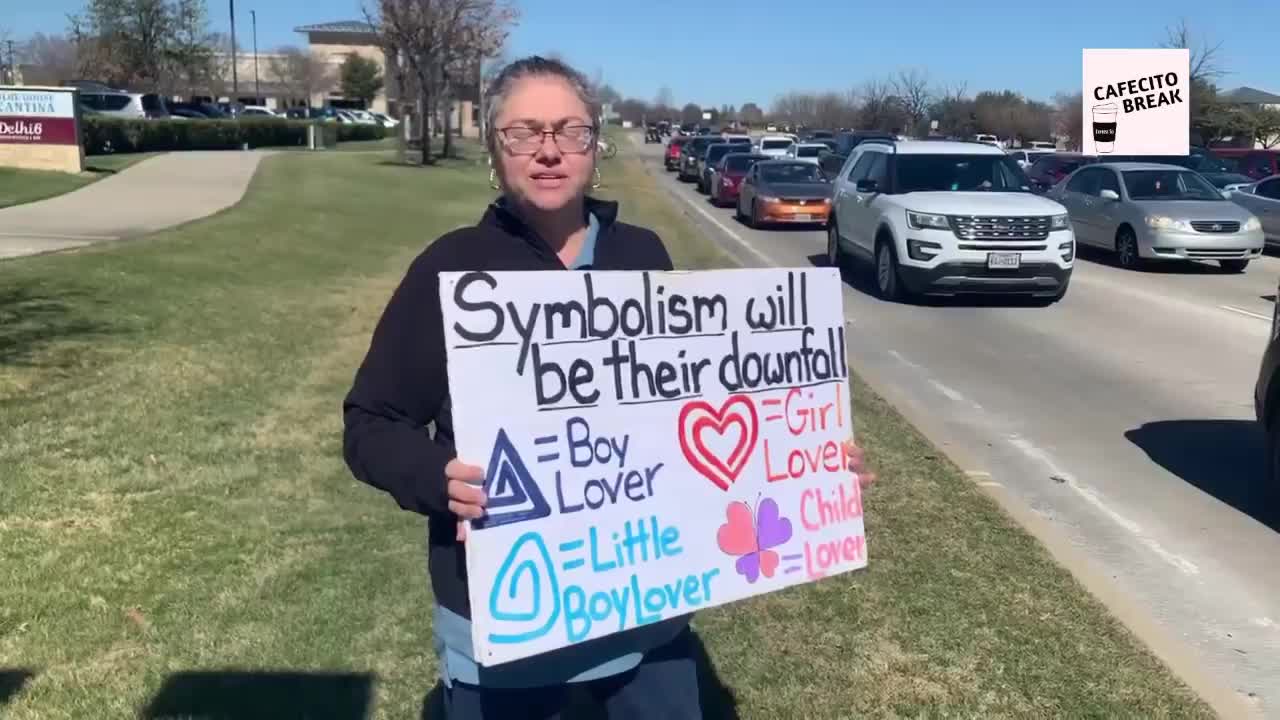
x: 802, y: 217
x: 1004, y: 261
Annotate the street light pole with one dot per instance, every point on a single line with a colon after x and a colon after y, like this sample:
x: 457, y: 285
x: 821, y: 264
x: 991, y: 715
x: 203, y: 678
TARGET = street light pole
x: 235, y: 79
x: 257, y: 93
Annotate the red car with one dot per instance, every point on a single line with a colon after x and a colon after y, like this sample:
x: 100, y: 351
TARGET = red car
x: 1257, y: 164
x: 726, y: 177
x: 672, y: 160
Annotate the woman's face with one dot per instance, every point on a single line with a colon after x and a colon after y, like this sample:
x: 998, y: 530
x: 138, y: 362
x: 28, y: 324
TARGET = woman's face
x: 540, y: 171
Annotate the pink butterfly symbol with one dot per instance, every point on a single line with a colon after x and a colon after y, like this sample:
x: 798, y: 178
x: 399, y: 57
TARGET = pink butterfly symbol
x: 753, y: 538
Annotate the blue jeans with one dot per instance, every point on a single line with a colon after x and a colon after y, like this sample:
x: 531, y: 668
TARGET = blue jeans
x: 665, y: 685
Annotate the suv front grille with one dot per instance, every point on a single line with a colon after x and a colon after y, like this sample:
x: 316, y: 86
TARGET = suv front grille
x: 1215, y: 226
x: 1000, y: 229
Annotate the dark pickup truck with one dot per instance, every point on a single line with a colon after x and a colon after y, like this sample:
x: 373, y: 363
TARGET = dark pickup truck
x: 845, y: 143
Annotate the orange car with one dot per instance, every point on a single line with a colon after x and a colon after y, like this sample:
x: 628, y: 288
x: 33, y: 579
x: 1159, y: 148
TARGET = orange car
x: 784, y: 191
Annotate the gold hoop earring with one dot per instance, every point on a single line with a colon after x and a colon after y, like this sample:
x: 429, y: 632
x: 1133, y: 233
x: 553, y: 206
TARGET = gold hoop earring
x: 493, y: 179
x: 598, y: 181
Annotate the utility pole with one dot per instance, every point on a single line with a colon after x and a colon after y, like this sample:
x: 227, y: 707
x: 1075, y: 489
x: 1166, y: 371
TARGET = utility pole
x: 13, y: 65
x: 235, y: 79
x: 257, y: 93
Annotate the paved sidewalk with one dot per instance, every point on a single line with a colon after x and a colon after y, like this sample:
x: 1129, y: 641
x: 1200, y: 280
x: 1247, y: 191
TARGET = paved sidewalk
x: 154, y: 194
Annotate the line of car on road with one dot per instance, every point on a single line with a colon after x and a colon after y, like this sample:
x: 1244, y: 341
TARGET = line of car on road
x: 942, y: 217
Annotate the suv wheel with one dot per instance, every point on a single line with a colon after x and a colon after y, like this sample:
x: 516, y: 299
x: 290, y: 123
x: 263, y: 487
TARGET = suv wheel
x: 1233, y: 266
x: 833, y: 245
x: 888, y: 282
x: 1127, y: 249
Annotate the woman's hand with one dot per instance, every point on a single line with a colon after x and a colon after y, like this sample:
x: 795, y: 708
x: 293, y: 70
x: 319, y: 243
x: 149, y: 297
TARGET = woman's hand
x: 466, y: 498
x: 856, y: 460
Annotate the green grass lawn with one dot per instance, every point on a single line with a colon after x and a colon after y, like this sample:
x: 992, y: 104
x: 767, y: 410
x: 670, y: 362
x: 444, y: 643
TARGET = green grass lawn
x: 24, y: 186
x: 182, y: 538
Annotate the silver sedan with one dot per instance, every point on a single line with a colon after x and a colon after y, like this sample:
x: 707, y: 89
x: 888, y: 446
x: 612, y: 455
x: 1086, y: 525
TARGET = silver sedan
x: 1263, y: 200
x: 1148, y: 211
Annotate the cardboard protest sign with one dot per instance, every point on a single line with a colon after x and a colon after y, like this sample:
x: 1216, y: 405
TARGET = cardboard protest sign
x: 653, y: 444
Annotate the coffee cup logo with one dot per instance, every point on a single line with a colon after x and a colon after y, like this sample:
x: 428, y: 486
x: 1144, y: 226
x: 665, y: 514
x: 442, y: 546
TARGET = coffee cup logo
x: 1145, y: 90
x: 1104, y: 128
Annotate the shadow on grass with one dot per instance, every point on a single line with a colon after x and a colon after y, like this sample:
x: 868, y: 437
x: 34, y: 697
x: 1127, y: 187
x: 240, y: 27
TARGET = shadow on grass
x: 12, y: 680
x: 35, y: 315
x: 1224, y: 458
x: 250, y: 695
x: 714, y: 697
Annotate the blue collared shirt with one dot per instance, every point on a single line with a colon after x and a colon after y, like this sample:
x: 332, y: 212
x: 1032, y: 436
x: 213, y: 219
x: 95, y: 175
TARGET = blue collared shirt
x: 591, y: 660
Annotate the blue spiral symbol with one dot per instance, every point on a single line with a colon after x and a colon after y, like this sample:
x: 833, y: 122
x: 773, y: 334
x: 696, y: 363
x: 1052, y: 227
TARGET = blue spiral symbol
x: 541, y: 577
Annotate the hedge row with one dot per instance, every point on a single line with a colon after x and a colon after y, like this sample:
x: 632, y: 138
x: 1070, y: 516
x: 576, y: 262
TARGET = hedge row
x: 116, y: 135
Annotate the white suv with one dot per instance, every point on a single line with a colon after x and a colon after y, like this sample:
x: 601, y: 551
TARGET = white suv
x: 943, y: 218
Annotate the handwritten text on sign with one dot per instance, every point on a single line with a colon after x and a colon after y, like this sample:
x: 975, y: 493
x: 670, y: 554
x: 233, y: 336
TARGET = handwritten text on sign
x: 654, y: 443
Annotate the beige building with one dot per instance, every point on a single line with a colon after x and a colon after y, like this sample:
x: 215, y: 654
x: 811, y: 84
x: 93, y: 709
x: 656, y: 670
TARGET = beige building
x: 333, y: 42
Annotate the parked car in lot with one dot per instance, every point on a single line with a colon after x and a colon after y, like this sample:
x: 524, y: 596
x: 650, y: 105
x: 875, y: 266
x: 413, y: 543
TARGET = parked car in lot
x: 1049, y: 170
x: 727, y: 175
x: 690, y: 153
x: 1263, y: 200
x: 712, y: 156
x: 774, y: 145
x: 784, y: 191
x: 1266, y: 399
x: 1027, y: 158
x: 671, y: 159
x: 1040, y: 145
x: 1211, y: 168
x: 195, y: 110
x: 945, y: 217
x: 808, y: 152
x: 736, y: 138
x: 258, y: 111
x: 1152, y: 211
x: 116, y: 103
x: 1256, y: 164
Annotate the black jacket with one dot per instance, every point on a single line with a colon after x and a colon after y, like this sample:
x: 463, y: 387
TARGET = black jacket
x: 401, y: 389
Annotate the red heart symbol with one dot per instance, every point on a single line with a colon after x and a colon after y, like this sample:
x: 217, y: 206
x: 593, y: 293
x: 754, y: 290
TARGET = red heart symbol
x: 698, y: 417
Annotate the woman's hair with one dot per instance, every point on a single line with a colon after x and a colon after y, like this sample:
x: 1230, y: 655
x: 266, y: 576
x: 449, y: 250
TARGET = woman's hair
x: 495, y: 95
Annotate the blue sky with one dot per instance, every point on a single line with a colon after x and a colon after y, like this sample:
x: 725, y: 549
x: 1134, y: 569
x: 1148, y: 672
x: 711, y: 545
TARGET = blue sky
x: 720, y: 52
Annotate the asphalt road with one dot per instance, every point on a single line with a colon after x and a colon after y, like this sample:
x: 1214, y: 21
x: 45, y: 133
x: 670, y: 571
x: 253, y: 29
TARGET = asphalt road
x: 1123, y: 415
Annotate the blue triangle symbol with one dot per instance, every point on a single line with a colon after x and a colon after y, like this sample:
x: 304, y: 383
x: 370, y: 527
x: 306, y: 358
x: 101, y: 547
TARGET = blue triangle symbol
x: 513, y: 495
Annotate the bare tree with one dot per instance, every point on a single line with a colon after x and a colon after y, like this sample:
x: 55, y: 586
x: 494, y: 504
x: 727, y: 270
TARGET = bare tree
x: 302, y: 73
x: 1069, y: 118
x: 472, y: 31
x: 881, y: 107
x: 409, y: 27
x: 1205, y: 56
x: 53, y: 56
x: 914, y: 94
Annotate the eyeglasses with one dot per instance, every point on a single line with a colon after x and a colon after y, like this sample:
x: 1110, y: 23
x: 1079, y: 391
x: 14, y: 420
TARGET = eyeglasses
x: 527, y: 141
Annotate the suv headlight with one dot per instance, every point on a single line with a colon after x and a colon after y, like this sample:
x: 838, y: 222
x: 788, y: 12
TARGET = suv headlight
x: 927, y: 221
x: 1059, y: 222
x: 1253, y: 223
x: 1162, y: 222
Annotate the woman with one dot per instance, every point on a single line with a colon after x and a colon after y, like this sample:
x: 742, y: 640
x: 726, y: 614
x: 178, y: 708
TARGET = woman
x: 542, y: 140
